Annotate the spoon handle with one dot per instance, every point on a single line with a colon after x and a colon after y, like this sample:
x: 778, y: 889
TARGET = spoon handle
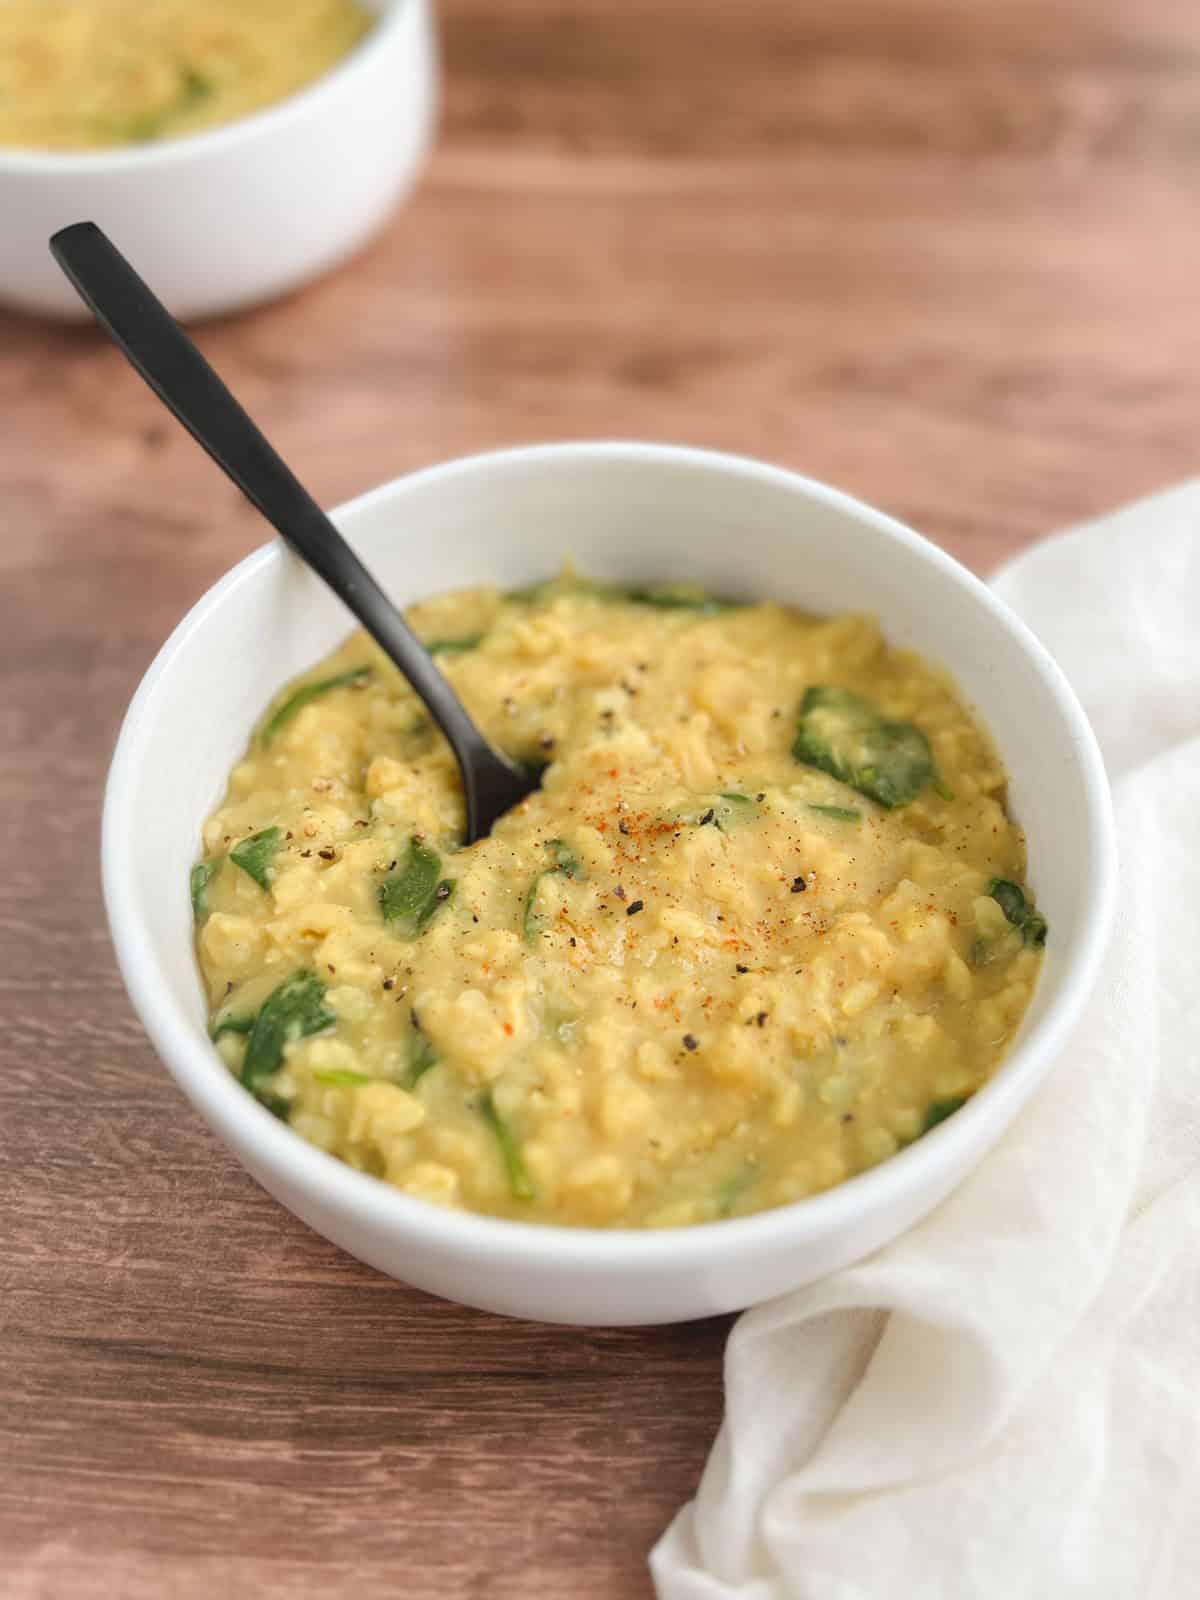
x: 166, y: 358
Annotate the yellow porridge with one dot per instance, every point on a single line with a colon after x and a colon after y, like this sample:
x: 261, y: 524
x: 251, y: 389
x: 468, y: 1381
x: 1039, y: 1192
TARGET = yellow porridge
x: 762, y: 925
x: 82, y: 74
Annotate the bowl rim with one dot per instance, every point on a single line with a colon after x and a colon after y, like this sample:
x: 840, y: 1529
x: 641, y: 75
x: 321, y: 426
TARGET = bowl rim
x: 463, y: 1234
x: 33, y: 162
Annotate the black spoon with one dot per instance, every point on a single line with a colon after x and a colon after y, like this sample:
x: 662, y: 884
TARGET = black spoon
x: 155, y: 344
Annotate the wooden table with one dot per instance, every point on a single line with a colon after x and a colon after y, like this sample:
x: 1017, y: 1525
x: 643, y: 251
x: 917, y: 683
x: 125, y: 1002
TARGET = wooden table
x: 941, y: 252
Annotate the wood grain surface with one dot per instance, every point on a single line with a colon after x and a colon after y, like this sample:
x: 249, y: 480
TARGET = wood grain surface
x: 941, y: 252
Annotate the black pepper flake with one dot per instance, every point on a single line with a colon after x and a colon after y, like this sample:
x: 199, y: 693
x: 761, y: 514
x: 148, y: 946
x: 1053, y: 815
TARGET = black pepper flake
x: 708, y: 816
x: 442, y: 892
x: 304, y: 854
x: 847, y: 1116
x: 389, y: 983
x: 326, y: 853
x: 761, y: 1019
x: 287, y: 836
x: 619, y: 892
x: 799, y: 885
x: 740, y: 968
x: 761, y: 796
x: 634, y: 906
x: 690, y: 1042
x: 572, y: 941
x: 623, y: 827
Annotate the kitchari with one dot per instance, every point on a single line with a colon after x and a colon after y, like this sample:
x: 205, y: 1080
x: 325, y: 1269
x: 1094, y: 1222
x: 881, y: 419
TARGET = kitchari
x: 763, y: 924
x: 82, y: 74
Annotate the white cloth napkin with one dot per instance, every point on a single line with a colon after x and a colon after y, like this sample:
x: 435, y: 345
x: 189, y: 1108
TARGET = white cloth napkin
x: 1005, y: 1403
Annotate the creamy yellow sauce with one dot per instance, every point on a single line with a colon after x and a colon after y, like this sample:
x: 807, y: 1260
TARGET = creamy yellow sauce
x: 762, y: 925
x: 82, y: 74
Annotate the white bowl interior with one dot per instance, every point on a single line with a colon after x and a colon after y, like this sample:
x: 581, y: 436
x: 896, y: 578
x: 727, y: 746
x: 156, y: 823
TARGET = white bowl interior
x: 623, y: 512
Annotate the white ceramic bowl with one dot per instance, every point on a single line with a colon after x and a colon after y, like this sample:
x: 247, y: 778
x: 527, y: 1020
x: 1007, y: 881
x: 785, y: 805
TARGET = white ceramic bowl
x: 639, y: 513
x: 219, y: 220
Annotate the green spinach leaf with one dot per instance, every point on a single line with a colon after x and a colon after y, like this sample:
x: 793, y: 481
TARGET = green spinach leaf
x: 455, y: 647
x: 197, y: 87
x: 295, y: 1010
x: 421, y: 1054
x: 717, y: 811
x: 256, y: 854
x: 734, y: 1186
x: 939, y: 1110
x: 305, y: 695
x: 409, y: 898
x: 1027, y: 920
x: 565, y: 861
x: 846, y: 736
x: 838, y: 813
x: 201, y: 876
x: 518, y: 1178
x: 662, y: 596
x: 225, y: 1025
x: 681, y: 597
x: 529, y: 925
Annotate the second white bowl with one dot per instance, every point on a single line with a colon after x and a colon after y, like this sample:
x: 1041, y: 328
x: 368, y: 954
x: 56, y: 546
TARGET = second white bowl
x: 638, y: 513
x: 220, y: 220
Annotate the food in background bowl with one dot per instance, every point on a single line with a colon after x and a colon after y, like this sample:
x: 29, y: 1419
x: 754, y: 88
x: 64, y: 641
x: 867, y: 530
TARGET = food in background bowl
x: 762, y: 925
x: 85, y: 74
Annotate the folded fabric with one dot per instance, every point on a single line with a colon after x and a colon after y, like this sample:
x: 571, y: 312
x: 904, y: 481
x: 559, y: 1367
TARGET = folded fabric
x: 1005, y: 1403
